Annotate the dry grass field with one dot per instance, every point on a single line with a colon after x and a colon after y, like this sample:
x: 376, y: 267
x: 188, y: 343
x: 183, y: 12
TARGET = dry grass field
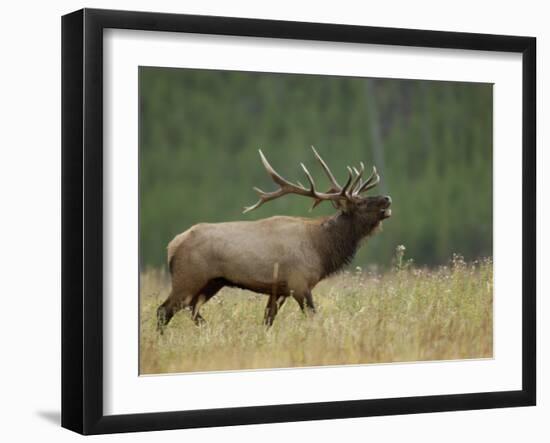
x: 406, y: 314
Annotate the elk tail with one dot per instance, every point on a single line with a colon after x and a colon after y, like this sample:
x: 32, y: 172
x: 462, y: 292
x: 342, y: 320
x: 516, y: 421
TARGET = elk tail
x: 171, y: 257
x: 171, y: 252
x: 171, y: 264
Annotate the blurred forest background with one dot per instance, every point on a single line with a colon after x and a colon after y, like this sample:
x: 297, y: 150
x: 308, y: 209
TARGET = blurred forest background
x: 200, y: 132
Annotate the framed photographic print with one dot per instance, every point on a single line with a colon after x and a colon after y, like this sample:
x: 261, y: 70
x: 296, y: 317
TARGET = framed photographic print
x: 269, y: 221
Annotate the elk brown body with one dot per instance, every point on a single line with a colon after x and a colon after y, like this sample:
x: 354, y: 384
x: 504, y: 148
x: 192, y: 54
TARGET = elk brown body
x: 278, y: 256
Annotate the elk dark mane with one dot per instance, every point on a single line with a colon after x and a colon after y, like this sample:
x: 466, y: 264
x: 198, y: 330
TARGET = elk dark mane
x: 340, y: 239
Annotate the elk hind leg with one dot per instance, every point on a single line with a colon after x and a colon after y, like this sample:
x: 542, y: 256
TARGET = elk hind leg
x: 165, y: 312
x: 195, y: 306
x: 205, y: 294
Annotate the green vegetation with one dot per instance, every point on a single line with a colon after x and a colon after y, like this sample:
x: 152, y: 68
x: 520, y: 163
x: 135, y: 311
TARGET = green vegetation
x: 431, y: 141
x: 404, y: 314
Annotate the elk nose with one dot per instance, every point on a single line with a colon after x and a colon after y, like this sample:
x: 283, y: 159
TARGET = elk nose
x: 387, y: 199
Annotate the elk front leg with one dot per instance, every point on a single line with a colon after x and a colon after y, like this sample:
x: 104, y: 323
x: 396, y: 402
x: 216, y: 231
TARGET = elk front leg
x: 305, y: 300
x: 309, y: 302
x: 273, y: 302
x: 272, y: 308
x: 281, y: 301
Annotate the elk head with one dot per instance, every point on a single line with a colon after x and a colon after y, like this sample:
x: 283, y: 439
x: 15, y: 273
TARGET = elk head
x: 348, y: 199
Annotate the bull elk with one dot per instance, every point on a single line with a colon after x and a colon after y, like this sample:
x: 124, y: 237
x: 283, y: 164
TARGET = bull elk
x: 278, y: 256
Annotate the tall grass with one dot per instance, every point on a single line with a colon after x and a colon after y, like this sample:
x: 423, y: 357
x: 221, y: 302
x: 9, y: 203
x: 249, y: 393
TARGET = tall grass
x: 406, y: 314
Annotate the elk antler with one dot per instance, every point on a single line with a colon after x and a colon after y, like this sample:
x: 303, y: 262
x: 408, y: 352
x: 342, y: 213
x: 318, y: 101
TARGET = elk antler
x: 287, y: 187
x: 335, y: 185
x: 351, y: 189
x: 371, y: 182
x: 357, y: 186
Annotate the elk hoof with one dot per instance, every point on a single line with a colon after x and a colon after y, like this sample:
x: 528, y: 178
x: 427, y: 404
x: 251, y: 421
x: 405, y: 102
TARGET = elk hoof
x: 199, y: 321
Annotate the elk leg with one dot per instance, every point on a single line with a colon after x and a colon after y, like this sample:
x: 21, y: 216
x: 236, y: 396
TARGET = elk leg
x: 301, y: 302
x: 195, y: 306
x: 274, y: 304
x: 271, y: 310
x: 166, y: 311
x: 281, y: 301
x: 309, y: 302
x: 305, y: 300
x: 164, y: 315
x: 209, y: 290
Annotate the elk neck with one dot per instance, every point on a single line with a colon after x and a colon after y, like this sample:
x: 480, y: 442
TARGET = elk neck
x: 338, y: 238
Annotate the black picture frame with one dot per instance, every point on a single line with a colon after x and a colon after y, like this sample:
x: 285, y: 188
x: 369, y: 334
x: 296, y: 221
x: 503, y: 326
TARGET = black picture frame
x: 82, y: 221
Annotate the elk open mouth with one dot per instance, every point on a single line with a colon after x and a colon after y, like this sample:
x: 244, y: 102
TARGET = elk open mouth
x: 386, y: 211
